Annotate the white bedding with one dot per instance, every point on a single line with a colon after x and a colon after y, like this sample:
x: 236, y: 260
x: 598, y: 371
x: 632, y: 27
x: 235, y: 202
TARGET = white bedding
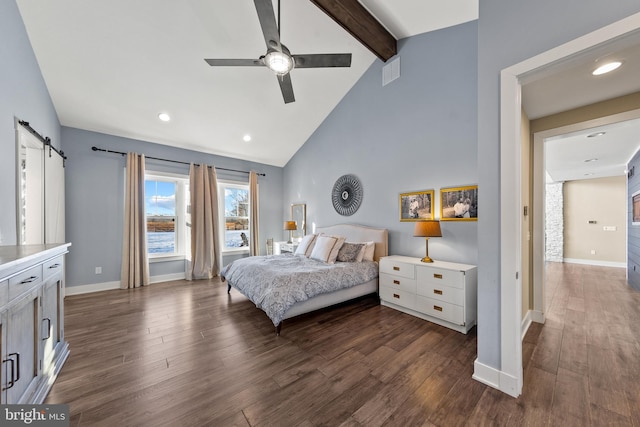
x: 275, y: 283
x: 352, y: 233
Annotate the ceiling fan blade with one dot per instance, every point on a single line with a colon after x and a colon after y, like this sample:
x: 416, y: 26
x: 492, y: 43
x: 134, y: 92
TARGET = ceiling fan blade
x: 235, y: 62
x: 323, y: 60
x: 287, y: 88
x: 267, y: 18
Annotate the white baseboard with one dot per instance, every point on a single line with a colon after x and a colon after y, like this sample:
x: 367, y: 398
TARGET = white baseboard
x: 497, y: 379
x: 167, y: 278
x: 595, y: 262
x: 108, y: 286
x: 537, y: 316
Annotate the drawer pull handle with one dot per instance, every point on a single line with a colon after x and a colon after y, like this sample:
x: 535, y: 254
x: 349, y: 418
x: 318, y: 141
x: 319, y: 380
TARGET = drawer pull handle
x: 437, y: 291
x: 396, y: 282
x: 29, y: 280
x: 56, y: 265
x: 396, y: 296
x: 396, y: 268
x: 12, y: 381
x: 48, y: 328
x: 437, y: 276
x: 435, y: 307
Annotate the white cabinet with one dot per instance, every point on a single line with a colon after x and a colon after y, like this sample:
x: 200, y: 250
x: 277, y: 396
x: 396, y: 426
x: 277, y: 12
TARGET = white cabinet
x: 22, y: 348
x: 32, y: 346
x: 441, y: 292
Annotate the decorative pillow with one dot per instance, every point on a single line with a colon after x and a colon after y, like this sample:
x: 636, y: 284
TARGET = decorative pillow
x: 367, y: 251
x: 349, y: 252
x: 334, y: 252
x: 306, y: 244
x: 323, y: 247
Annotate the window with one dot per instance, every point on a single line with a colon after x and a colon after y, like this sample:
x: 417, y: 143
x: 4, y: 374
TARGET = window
x: 235, y: 216
x: 165, y: 205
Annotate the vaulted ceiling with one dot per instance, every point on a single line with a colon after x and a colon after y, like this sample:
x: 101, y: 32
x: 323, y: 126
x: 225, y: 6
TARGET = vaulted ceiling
x: 112, y: 67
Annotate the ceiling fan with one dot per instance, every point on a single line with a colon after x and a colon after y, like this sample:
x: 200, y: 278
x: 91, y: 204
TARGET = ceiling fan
x: 278, y: 58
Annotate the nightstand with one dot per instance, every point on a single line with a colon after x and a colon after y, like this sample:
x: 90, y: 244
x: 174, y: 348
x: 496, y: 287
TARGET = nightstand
x: 284, y: 247
x: 440, y: 292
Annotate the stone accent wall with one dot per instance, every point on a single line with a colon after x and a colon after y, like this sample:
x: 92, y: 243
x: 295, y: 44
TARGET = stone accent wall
x: 554, y: 224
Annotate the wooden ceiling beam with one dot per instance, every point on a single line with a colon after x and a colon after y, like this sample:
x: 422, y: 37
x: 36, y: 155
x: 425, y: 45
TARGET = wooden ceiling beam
x: 357, y: 20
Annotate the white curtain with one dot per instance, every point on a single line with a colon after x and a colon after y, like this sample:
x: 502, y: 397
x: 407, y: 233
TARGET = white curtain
x: 135, y: 267
x: 205, y: 251
x: 254, y: 246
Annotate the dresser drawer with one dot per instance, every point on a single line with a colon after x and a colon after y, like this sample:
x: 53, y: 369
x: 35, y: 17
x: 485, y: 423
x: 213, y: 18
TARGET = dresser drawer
x: 398, y: 282
x: 440, y: 309
x: 396, y: 268
x: 24, y: 281
x: 405, y: 299
x: 441, y: 293
x: 52, y: 266
x: 441, y: 277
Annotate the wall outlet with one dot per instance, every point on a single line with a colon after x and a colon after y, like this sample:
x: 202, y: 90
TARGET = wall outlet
x: 593, y: 251
x: 609, y: 228
x: 98, y: 270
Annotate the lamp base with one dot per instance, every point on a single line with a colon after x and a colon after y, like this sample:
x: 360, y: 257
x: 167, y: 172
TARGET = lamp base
x: 426, y: 259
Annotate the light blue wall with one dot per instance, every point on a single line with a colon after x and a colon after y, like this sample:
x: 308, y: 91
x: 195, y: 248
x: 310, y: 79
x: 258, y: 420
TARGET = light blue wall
x: 23, y: 95
x: 508, y: 33
x: 95, y: 199
x: 416, y: 133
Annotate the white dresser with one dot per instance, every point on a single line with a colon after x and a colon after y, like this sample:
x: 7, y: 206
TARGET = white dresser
x: 440, y: 292
x: 32, y: 343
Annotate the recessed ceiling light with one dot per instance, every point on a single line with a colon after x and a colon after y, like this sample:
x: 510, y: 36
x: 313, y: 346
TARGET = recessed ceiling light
x: 589, y: 174
x: 591, y: 160
x: 606, y: 68
x: 246, y: 138
x: 595, y: 135
x: 164, y: 117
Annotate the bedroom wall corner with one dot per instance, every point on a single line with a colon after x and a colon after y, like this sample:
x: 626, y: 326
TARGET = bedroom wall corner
x: 95, y: 200
x: 416, y: 133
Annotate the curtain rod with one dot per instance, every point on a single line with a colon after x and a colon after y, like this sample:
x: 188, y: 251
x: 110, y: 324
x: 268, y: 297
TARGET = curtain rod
x: 172, y: 161
x: 45, y: 140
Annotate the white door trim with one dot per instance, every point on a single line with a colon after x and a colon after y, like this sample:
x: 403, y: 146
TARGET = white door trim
x: 510, y: 194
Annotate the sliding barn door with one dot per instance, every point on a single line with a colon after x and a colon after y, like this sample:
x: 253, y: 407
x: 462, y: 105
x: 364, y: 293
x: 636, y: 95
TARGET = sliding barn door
x: 53, y: 197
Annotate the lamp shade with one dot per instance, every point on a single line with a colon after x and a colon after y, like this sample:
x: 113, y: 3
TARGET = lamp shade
x: 290, y: 225
x: 427, y: 229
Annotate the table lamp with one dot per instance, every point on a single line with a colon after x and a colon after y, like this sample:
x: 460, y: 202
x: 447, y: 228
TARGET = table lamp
x: 290, y: 225
x: 427, y: 229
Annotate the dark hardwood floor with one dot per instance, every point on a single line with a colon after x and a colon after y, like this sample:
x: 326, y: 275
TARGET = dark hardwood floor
x: 188, y: 354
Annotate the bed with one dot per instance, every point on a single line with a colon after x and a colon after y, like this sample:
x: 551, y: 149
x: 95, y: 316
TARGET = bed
x: 281, y: 299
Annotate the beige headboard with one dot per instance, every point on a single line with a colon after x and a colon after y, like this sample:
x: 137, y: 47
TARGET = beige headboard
x: 361, y: 233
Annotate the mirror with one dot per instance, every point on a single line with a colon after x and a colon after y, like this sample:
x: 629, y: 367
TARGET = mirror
x: 299, y: 215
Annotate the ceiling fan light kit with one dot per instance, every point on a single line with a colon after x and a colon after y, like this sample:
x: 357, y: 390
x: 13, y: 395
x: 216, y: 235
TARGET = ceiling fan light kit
x: 278, y: 62
x: 278, y: 58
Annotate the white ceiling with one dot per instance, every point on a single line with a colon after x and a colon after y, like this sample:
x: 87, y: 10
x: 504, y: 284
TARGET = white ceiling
x: 577, y: 156
x: 570, y: 85
x: 112, y: 66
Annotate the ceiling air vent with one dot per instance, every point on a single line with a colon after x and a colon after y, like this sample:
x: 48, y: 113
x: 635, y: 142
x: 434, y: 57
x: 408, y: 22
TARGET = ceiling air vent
x: 391, y: 71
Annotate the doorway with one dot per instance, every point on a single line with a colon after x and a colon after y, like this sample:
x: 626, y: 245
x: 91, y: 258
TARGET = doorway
x: 512, y: 81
